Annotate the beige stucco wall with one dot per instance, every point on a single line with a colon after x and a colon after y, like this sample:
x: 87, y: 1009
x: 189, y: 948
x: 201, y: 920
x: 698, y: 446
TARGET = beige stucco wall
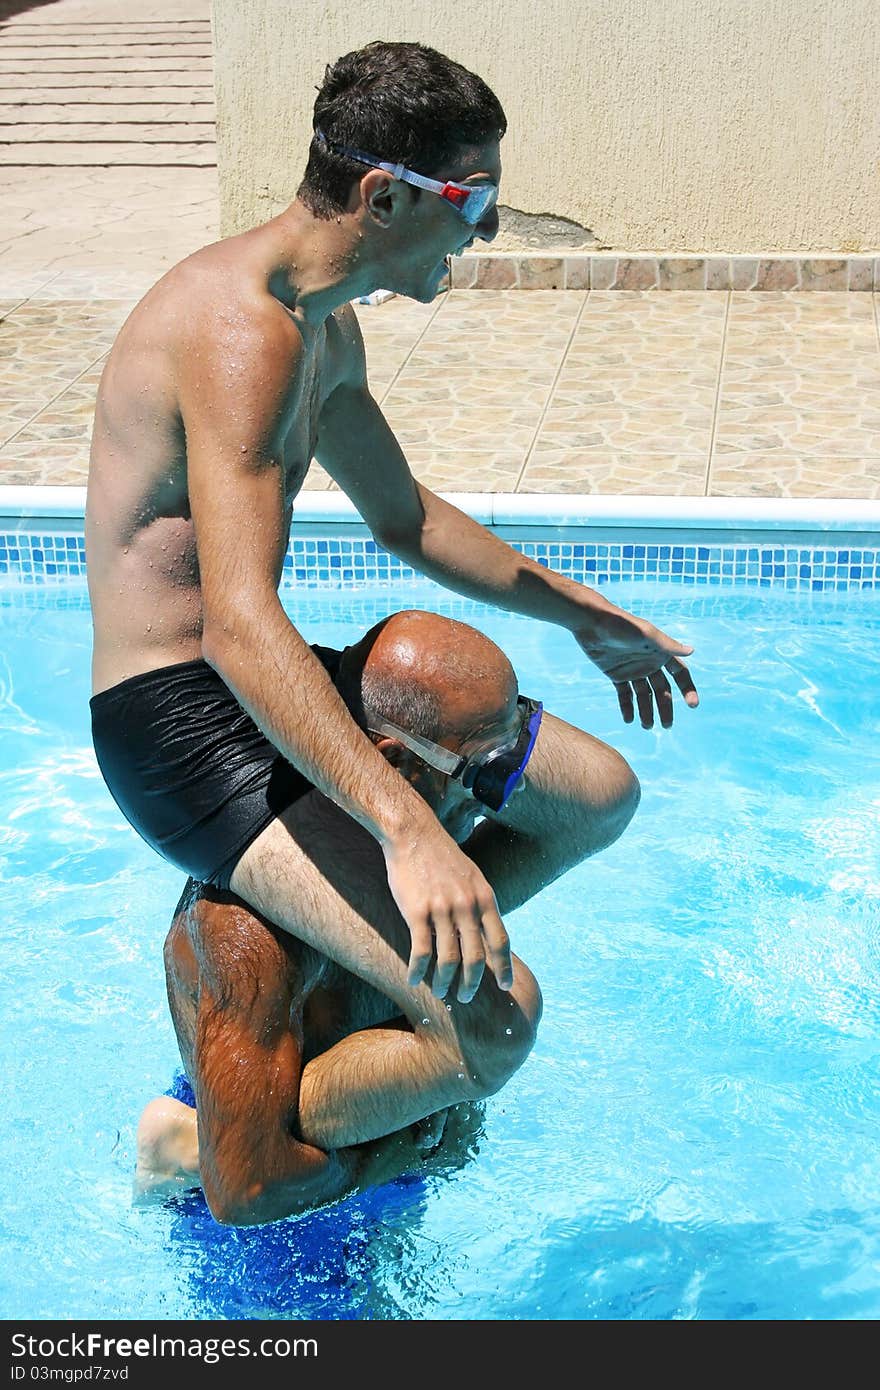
x: 677, y: 125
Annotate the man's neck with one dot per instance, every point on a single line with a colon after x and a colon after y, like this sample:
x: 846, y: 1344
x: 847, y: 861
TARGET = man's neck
x: 318, y: 264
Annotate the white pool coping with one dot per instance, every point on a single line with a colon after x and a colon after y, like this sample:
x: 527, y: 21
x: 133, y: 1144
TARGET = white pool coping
x: 334, y: 509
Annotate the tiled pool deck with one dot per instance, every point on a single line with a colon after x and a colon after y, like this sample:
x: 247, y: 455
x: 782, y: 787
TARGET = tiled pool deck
x: 688, y: 393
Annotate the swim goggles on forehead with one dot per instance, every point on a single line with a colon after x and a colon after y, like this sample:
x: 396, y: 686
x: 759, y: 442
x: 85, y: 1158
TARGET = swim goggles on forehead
x: 493, y: 773
x: 471, y: 201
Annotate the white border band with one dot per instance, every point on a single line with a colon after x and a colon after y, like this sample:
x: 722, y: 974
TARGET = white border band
x: 539, y: 509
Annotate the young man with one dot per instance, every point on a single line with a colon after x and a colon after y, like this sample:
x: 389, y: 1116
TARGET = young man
x: 212, y: 718
x: 272, y: 1033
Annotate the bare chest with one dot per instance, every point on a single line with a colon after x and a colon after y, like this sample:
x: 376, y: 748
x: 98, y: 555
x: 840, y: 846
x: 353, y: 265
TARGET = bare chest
x: 315, y: 381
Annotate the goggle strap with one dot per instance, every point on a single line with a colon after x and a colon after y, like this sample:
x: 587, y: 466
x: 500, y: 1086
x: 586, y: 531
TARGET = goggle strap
x: 460, y: 197
x: 397, y: 171
x: 441, y: 758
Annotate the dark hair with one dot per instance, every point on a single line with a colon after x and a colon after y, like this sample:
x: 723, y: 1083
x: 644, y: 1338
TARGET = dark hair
x: 402, y: 102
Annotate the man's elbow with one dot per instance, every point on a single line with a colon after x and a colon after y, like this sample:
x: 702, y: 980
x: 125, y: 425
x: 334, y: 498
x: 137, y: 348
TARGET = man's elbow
x: 402, y: 540
x: 308, y: 1182
x: 238, y: 1206
x: 403, y: 533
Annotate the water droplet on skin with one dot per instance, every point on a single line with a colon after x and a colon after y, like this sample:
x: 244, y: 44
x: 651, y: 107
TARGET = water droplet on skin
x: 426, y: 1022
x: 149, y: 627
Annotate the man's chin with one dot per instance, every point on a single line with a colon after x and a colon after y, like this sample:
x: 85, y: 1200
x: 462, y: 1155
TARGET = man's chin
x: 434, y: 283
x: 425, y: 290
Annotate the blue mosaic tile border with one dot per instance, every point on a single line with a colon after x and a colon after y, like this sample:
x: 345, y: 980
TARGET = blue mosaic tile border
x: 334, y: 562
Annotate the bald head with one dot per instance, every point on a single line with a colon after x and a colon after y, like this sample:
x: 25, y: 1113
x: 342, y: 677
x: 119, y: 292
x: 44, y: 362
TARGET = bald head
x: 431, y: 675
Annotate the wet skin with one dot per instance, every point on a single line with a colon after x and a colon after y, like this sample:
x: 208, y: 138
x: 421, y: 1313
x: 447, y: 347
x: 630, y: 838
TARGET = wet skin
x: 239, y: 366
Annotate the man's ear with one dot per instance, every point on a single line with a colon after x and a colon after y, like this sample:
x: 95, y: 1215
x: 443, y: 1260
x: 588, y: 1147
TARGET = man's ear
x: 394, y: 752
x: 407, y: 763
x: 380, y: 193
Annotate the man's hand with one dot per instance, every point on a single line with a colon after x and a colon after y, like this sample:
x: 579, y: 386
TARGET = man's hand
x: 450, y: 910
x: 634, y: 655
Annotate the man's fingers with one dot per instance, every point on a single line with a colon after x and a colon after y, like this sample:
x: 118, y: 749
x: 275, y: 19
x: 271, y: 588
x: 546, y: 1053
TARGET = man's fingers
x: 625, y: 700
x: 448, y: 953
x: 683, y: 679
x: 643, y: 693
x: 421, y: 954
x: 645, y: 702
x: 663, y: 696
x: 473, y: 959
x: 497, y: 948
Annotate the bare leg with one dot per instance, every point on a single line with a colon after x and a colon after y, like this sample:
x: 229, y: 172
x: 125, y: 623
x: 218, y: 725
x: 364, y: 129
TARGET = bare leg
x: 167, y: 1155
x: 319, y: 876
x: 578, y: 797
x: 252, y: 1167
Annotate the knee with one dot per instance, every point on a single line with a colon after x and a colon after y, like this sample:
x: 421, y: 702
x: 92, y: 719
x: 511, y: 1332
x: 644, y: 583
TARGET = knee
x: 623, y: 795
x: 496, y: 1041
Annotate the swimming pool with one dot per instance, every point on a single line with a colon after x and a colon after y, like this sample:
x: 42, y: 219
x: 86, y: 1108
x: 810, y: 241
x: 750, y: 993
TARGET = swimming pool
x: 694, y: 1135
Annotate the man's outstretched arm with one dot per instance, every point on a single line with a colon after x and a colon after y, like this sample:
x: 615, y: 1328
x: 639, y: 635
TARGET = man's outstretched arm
x: 360, y: 452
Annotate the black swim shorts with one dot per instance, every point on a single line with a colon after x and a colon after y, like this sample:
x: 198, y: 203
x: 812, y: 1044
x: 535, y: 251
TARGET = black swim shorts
x: 188, y: 767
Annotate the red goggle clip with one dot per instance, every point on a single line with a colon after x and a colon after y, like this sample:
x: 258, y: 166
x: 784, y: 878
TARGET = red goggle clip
x: 457, y: 196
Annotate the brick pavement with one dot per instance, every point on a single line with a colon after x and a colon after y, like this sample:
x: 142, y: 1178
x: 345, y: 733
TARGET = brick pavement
x: 106, y: 156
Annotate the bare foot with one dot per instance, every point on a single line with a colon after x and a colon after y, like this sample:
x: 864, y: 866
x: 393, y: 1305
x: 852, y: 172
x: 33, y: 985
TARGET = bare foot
x: 167, y: 1150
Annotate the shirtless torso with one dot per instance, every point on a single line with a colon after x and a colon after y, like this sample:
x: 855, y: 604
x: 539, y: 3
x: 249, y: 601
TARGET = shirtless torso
x: 143, y: 567
x: 239, y: 366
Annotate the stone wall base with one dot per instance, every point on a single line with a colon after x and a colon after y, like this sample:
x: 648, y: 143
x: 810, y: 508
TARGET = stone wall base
x: 608, y: 270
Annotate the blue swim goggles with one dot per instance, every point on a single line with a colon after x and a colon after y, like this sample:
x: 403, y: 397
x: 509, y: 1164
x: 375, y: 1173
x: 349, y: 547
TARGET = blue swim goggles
x: 494, y: 772
x: 471, y: 201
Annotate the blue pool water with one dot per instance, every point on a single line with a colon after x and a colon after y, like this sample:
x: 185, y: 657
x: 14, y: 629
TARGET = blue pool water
x: 695, y: 1133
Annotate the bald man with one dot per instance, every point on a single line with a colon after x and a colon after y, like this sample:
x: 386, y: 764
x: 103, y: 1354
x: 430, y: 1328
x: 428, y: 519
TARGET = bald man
x: 316, y: 1073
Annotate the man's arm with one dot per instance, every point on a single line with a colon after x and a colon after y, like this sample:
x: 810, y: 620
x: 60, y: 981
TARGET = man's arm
x: 245, y: 1062
x: 360, y: 452
x: 245, y: 1071
x: 240, y: 386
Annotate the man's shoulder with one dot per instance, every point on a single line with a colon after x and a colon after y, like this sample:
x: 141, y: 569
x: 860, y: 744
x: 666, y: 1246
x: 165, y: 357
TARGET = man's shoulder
x: 233, y: 321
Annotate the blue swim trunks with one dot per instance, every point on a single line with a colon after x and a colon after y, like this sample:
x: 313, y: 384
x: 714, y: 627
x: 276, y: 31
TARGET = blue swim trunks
x: 181, y: 1089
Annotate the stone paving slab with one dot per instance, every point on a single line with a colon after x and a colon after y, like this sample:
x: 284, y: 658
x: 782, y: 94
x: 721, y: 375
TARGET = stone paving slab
x: 88, y: 13
x: 75, y: 50
x: 138, y: 221
x: 500, y: 392
x: 113, y: 87
x: 702, y: 392
x: 157, y: 132
x: 104, y: 154
x: 131, y: 111
x: 51, y: 69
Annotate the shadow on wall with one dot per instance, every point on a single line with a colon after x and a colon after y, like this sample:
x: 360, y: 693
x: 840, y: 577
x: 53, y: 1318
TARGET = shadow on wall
x: 9, y: 8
